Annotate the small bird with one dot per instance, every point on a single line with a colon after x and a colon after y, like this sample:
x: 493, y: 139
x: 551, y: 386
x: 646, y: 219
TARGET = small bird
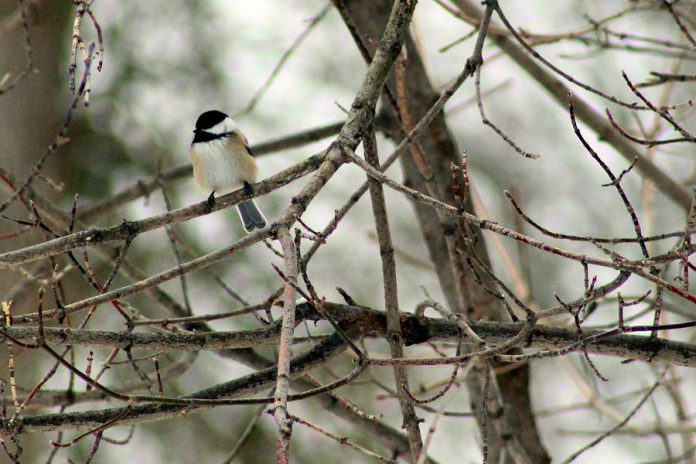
x: 222, y: 162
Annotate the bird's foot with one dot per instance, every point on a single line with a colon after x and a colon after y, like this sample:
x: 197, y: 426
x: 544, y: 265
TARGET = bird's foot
x: 210, y: 202
x: 248, y: 189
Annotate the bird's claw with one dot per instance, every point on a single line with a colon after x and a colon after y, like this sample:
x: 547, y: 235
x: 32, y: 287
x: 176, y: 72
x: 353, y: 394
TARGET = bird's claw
x: 248, y: 189
x: 210, y: 202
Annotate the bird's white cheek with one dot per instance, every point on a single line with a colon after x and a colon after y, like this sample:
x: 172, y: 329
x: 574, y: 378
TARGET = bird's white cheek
x: 227, y: 125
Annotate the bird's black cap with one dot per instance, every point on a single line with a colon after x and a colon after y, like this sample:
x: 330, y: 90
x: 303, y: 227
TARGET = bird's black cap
x: 209, y: 119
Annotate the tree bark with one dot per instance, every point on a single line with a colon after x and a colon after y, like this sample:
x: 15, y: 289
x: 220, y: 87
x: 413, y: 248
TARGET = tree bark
x: 366, y: 20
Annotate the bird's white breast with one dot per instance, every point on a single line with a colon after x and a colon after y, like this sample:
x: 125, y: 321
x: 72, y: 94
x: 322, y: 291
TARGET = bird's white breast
x: 221, y: 165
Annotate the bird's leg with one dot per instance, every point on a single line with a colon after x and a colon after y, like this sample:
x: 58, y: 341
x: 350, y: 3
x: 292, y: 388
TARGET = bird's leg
x: 210, y: 202
x: 248, y: 189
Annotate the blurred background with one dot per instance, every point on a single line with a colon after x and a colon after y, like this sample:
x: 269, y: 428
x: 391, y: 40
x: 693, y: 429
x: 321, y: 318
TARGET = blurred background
x: 165, y: 62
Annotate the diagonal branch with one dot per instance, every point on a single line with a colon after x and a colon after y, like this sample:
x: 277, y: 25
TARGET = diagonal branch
x: 585, y: 112
x: 391, y: 299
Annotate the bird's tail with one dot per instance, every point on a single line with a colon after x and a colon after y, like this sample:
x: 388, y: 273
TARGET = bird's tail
x: 252, y: 217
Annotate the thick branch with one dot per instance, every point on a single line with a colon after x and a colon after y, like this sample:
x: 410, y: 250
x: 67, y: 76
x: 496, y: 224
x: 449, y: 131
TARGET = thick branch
x: 360, y: 321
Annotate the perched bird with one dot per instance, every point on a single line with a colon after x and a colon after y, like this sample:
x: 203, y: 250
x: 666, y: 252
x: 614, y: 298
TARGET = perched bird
x: 223, y: 162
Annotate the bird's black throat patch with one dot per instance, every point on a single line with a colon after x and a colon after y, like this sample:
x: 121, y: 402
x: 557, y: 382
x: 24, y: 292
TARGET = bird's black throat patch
x: 203, y: 136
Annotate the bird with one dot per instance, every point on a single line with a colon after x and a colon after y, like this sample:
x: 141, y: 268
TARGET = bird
x: 222, y: 162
